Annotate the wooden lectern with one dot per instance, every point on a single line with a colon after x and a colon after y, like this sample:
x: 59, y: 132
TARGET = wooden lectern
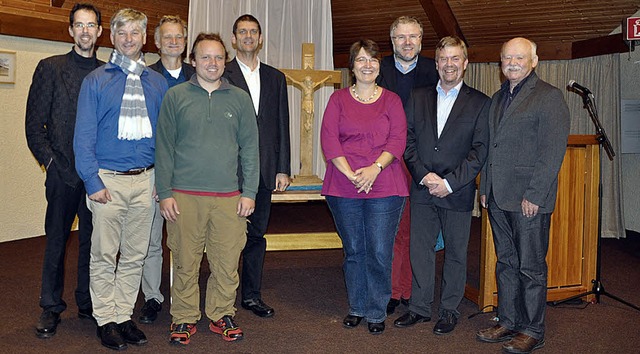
x: 573, y: 236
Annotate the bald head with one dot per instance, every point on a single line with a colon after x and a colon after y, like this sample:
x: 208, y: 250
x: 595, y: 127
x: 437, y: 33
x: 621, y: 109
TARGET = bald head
x: 518, y: 58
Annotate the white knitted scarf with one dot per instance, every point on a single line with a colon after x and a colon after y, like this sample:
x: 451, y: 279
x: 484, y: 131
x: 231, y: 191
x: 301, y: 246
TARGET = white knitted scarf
x: 134, y: 123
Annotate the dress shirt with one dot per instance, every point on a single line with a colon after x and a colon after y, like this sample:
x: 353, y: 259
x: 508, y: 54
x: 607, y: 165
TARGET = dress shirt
x: 445, y: 104
x: 401, y: 69
x: 252, y: 77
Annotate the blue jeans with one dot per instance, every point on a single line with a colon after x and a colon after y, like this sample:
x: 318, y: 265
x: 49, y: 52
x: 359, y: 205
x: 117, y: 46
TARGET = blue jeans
x: 367, y: 228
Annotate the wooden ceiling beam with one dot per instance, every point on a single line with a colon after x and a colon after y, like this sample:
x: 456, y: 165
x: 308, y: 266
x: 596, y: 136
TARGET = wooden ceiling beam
x: 599, y: 46
x: 57, y: 3
x: 442, y: 19
x: 13, y: 25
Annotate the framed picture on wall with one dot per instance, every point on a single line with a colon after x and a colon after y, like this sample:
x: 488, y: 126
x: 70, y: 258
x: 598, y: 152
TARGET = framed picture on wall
x: 7, y: 67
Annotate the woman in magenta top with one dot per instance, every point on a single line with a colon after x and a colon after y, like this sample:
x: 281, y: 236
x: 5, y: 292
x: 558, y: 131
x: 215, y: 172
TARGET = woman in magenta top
x: 363, y: 134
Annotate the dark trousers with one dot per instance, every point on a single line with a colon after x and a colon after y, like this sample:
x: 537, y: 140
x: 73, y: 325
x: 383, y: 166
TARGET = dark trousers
x: 256, y: 247
x: 521, y: 271
x: 427, y: 220
x: 63, y: 203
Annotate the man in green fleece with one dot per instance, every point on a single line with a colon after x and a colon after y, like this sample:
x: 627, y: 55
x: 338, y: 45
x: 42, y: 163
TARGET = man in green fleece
x: 207, y: 136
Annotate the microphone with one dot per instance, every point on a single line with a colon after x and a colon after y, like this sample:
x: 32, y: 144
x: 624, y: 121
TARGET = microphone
x: 574, y: 85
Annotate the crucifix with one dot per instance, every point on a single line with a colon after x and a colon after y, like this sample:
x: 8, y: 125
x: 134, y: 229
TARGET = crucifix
x: 308, y: 80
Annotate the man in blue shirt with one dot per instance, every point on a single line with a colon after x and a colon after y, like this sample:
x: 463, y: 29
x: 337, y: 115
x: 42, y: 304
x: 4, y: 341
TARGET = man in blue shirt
x: 114, y: 142
x: 170, y: 37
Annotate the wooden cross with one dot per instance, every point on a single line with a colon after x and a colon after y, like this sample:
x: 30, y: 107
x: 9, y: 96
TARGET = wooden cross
x: 308, y: 80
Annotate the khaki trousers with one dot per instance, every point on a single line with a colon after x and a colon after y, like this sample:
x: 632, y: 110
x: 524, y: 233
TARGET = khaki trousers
x: 209, y: 222
x: 122, y: 226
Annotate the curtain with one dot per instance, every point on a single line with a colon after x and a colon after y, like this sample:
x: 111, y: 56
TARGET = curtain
x: 286, y: 24
x: 601, y: 75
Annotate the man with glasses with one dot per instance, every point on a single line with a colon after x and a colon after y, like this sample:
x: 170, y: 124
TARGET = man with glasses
x: 170, y: 37
x: 49, y: 123
x: 268, y: 90
x: 401, y: 72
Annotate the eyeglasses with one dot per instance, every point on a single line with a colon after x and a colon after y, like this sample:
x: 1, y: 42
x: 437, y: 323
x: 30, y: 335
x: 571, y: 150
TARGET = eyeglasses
x: 80, y: 25
x: 363, y: 60
x: 402, y: 37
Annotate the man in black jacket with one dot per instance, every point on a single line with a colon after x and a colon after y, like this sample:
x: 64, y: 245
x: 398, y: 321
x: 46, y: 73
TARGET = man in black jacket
x: 50, y: 123
x: 268, y: 90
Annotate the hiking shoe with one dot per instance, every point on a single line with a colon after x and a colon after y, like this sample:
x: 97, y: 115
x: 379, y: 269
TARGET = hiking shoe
x: 227, y: 328
x: 181, y: 333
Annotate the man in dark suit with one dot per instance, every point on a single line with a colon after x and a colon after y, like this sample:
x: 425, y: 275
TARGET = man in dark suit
x: 170, y: 37
x: 447, y: 137
x: 529, y: 125
x: 50, y: 122
x: 267, y: 88
x: 401, y: 72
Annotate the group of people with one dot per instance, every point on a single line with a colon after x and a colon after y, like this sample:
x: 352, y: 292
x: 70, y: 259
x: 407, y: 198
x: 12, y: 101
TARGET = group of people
x: 408, y: 110
x: 203, y: 145
x: 126, y: 146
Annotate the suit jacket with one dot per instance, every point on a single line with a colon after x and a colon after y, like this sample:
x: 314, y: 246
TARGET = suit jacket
x: 527, y: 146
x: 51, y: 114
x: 426, y: 74
x: 457, y: 155
x: 187, y: 69
x: 273, y: 120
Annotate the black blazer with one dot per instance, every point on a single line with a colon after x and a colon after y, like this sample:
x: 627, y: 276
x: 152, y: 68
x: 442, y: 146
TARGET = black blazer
x: 457, y: 155
x: 51, y: 114
x: 273, y: 120
x: 426, y: 74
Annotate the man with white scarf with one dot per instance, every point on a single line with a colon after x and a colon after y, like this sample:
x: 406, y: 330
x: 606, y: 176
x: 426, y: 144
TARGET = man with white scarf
x: 114, y: 143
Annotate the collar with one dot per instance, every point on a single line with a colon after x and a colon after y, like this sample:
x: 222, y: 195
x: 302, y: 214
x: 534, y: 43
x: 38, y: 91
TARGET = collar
x: 454, y: 91
x: 224, y: 83
x: 400, y: 68
x: 245, y: 68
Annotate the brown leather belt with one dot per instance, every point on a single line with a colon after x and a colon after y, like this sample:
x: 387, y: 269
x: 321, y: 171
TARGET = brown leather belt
x: 133, y: 171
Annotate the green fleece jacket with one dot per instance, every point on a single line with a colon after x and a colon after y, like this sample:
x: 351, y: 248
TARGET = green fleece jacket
x: 201, y: 138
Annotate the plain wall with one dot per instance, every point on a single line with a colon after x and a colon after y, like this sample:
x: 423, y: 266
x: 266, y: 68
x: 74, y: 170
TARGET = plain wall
x: 23, y: 203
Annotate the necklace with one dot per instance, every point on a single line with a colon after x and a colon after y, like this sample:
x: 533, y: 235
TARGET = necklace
x: 375, y: 92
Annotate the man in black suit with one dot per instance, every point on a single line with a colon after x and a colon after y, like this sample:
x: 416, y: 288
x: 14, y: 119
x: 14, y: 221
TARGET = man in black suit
x: 50, y: 123
x: 529, y: 124
x: 447, y: 137
x: 170, y: 37
x: 401, y: 72
x: 268, y: 90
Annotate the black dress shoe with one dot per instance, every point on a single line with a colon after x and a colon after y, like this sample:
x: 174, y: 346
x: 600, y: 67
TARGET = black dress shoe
x: 47, y: 324
x: 351, y: 321
x: 86, y: 314
x: 258, y: 307
x: 445, y: 324
x: 150, y: 311
x: 391, y: 306
x: 409, y: 319
x: 131, y: 334
x: 376, y: 328
x: 110, y: 336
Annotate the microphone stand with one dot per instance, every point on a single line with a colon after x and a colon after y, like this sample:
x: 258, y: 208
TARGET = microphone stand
x: 603, y: 140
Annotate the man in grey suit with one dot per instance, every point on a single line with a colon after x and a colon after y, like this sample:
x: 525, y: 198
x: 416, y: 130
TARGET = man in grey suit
x: 268, y: 90
x: 529, y: 125
x: 446, y: 148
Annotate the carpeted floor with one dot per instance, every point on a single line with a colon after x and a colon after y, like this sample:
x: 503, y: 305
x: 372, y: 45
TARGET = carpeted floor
x: 307, y: 290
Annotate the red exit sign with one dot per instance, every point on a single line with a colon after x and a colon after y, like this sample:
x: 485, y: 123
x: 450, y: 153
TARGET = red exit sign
x: 633, y: 28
